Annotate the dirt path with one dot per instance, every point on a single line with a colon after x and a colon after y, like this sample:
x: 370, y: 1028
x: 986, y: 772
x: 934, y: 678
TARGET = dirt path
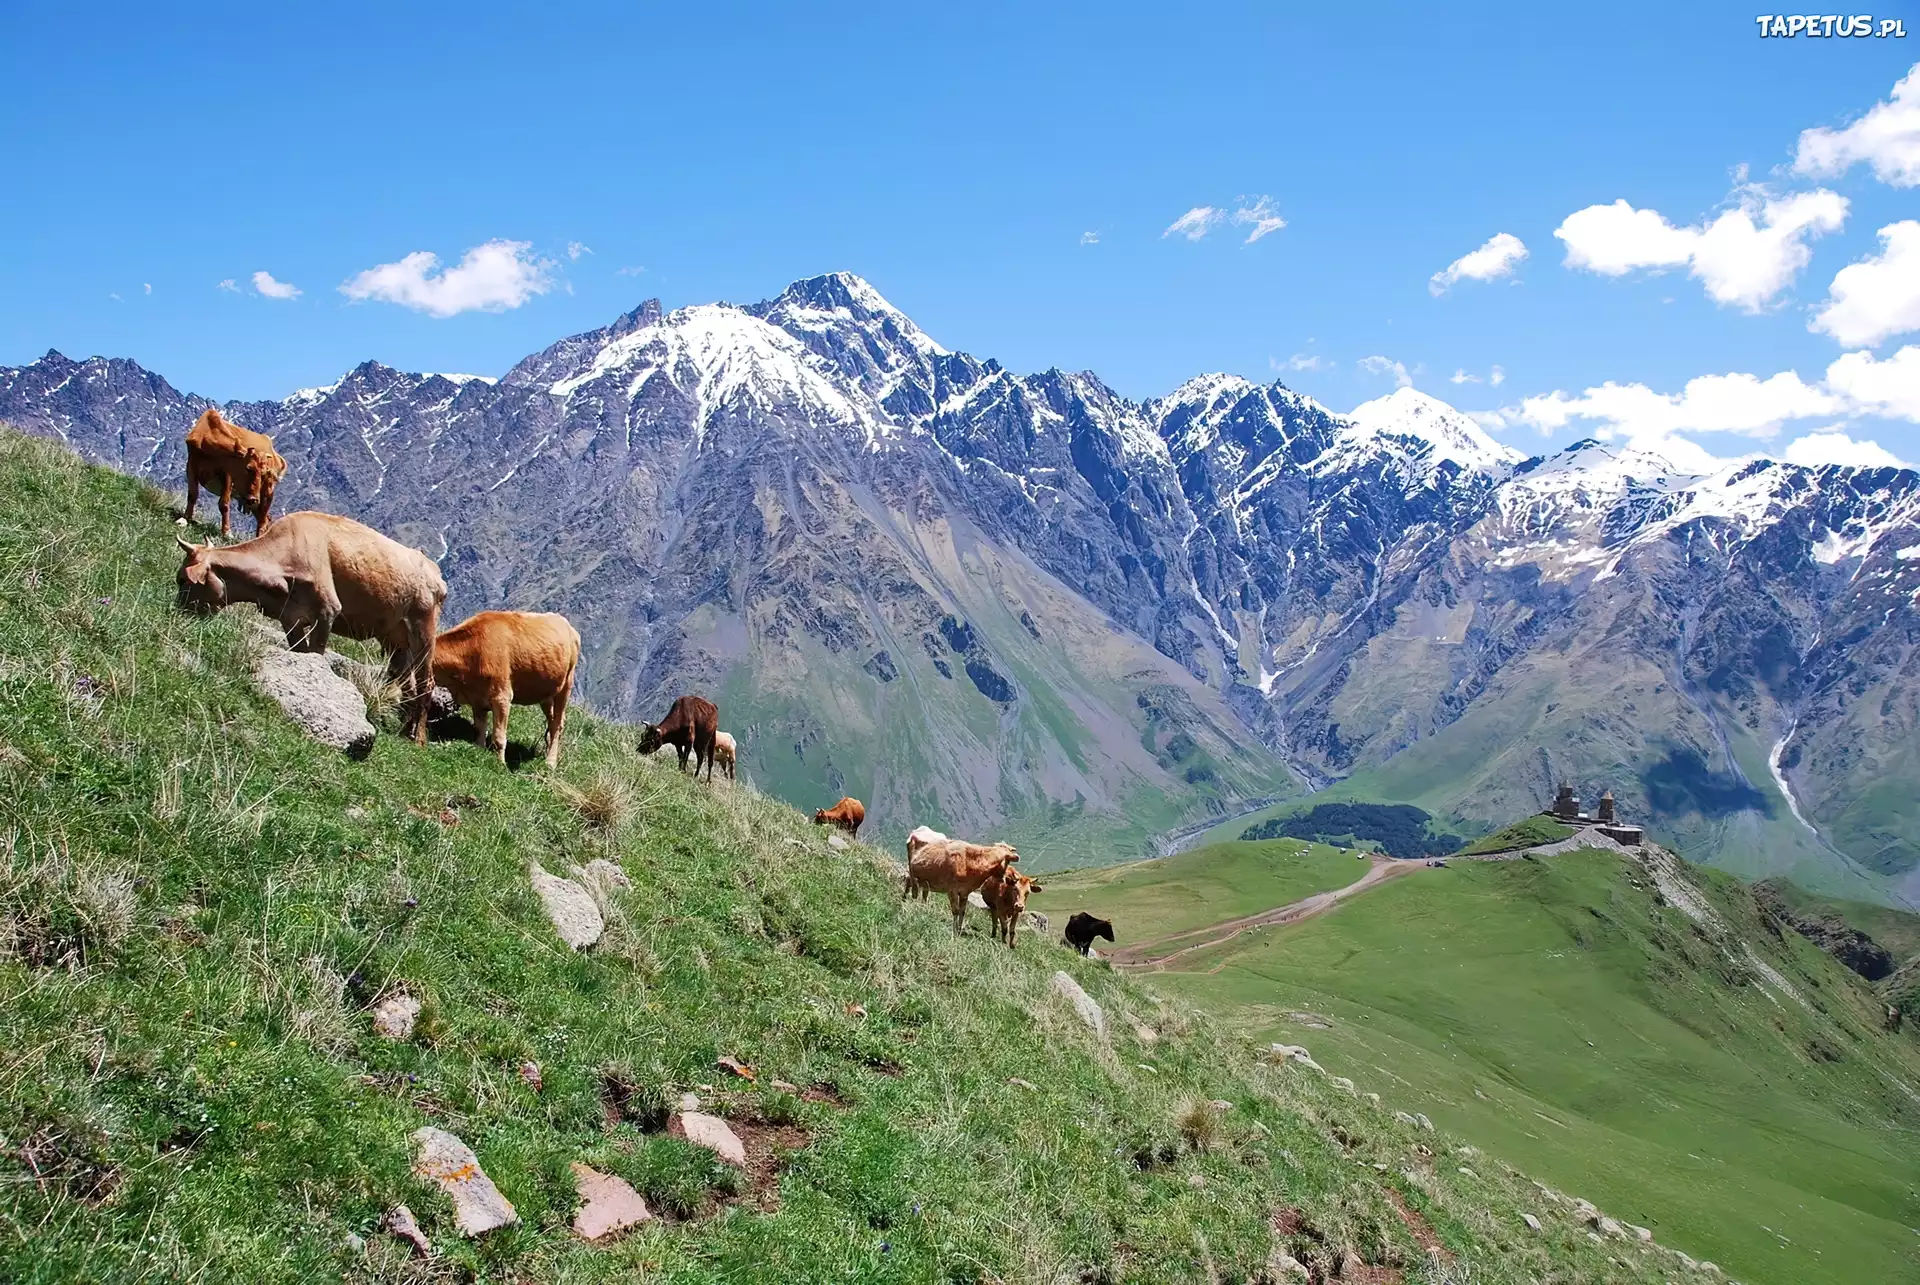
x: 1162, y: 951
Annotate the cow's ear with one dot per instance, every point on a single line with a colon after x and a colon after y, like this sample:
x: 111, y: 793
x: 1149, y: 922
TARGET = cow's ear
x: 1037, y: 888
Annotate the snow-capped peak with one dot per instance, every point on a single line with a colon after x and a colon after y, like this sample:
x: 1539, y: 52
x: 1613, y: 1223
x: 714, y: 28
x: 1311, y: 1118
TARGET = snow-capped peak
x: 1444, y: 434
x: 461, y: 379
x: 817, y: 303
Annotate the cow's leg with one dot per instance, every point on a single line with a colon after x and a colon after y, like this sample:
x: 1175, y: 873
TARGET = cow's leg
x: 480, y: 713
x: 957, y: 903
x: 193, y: 492
x: 502, y: 708
x: 421, y: 630
x: 226, y: 505
x: 683, y: 751
x: 557, y: 720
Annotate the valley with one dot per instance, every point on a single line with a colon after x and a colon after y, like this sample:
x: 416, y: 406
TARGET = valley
x: 1722, y: 1082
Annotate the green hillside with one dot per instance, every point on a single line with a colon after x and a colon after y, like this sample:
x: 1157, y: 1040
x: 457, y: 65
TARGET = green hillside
x: 1563, y: 1014
x: 198, y: 907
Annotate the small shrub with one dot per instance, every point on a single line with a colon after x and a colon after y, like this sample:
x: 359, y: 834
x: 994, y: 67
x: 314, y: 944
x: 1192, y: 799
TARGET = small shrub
x: 1200, y: 1125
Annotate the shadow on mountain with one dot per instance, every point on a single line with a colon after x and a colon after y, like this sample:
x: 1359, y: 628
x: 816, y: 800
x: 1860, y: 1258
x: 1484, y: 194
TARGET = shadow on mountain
x: 1682, y: 782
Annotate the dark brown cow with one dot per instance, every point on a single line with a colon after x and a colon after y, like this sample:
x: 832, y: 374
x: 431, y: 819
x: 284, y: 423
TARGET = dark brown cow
x: 222, y: 454
x: 1005, y: 893
x: 318, y: 575
x: 690, y: 727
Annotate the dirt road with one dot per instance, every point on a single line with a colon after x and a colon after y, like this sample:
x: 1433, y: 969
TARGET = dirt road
x: 1162, y: 951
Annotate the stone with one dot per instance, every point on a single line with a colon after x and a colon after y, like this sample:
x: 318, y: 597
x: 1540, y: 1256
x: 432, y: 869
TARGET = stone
x: 1711, y: 1269
x: 1373, y: 1098
x: 1281, y: 1263
x: 976, y: 902
x: 601, y: 878
x: 1196, y: 1180
x: 1423, y: 1121
x: 530, y: 1075
x: 320, y: 702
x: 1608, y: 1227
x: 450, y: 1164
x: 394, y: 1016
x: 1406, y: 1119
x: 575, y: 915
x: 1017, y: 1082
x: 402, y: 1223
x: 1221, y: 1104
x: 1145, y: 1034
x: 711, y: 1132
x: 1533, y: 1224
x: 1641, y: 1234
x: 838, y: 842
x: 608, y: 1203
x: 781, y: 1086
x: 689, y: 1102
x: 1084, y: 1005
x: 355, y: 1242
x: 1342, y: 1083
x: 1035, y: 921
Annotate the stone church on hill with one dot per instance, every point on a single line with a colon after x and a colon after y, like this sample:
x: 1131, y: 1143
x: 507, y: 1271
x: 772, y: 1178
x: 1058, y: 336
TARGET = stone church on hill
x: 1566, y: 810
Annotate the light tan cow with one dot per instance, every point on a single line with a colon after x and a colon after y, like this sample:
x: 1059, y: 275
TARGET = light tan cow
x: 957, y: 868
x: 919, y: 837
x: 318, y: 574
x: 725, y: 752
x: 495, y: 660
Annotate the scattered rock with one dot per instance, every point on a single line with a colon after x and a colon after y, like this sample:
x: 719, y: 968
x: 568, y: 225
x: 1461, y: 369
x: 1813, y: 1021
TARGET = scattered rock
x: 1024, y: 1084
x: 1374, y: 1098
x: 1642, y: 1234
x: 1196, y: 1180
x: 324, y: 705
x: 781, y: 1086
x: 608, y: 1204
x: 602, y: 878
x: 394, y: 1016
x: 355, y: 1242
x: 1280, y: 1263
x: 1406, y: 1119
x: 797, y: 843
x: 689, y: 1102
x: 1711, y: 1269
x: 1533, y: 1224
x: 711, y: 1132
x: 1142, y: 1066
x: 401, y: 1222
x: 1221, y: 1104
x: 1608, y: 1227
x: 572, y: 909
x: 1423, y: 1121
x: 530, y: 1075
x: 738, y: 1068
x: 1145, y: 1035
x: 1084, y: 1005
x: 1312, y: 1021
x: 1342, y: 1083
x: 837, y: 842
x: 1468, y: 1173
x: 1035, y: 921
x: 976, y: 901
x: 450, y: 1164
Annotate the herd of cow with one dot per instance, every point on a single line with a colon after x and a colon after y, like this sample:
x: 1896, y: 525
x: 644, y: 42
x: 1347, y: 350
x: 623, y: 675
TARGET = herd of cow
x: 319, y: 575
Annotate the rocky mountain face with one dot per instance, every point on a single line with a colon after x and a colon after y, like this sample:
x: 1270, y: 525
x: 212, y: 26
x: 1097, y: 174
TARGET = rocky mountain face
x: 990, y: 599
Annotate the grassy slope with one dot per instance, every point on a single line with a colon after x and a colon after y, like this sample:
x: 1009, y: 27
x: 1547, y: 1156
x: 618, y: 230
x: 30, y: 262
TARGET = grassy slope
x: 1553, y: 1012
x: 1202, y: 886
x: 197, y: 905
x: 1531, y: 832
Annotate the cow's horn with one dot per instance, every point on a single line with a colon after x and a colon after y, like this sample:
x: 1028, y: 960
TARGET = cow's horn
x: 190, y: 548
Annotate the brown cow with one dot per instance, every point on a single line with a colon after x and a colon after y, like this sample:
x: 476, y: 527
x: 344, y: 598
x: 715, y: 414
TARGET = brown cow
x: 726, y: 752
x: 957, y: 868
x: 498, y: 659
x: 690, y: 727
x: 1005, y: 893
x: 318, y: 574
x: 848, y: 813
x: 223, y: 454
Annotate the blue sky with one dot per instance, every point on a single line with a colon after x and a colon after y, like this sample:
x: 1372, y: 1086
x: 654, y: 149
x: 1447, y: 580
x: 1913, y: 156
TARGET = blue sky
x: 959, y: 157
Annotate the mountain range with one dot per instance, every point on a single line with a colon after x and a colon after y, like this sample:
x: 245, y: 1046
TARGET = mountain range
x: 984, y: 599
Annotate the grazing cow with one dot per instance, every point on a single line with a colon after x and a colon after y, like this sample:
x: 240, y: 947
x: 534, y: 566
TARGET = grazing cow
x: 957, y: 868
x: 726, y: 752
x: 498, y: 659
x: 919, y: 838
x: 848, y: 813
x: 1083, y: 928
x: 1005, y: 893
x: 318, y: 574
x: 222, y: 454
x: 690, y: 727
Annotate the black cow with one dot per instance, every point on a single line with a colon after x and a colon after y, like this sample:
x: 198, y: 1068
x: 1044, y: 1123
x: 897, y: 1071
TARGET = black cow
x: 1083, y: 928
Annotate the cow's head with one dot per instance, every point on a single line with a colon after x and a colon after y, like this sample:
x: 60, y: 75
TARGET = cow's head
x: 649, y: 738
x: 264, y: 471
x: 1018, y: 888
x: 1101, y: 928
x: 819, y: 816
x: 1005, y: 852
x: 201, y: 589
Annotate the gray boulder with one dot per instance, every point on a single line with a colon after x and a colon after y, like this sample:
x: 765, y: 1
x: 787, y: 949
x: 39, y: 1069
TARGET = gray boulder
x: 450, y: 1164
x: 1084, y: 1005
x: 575, y: 914
x: 321, y: 703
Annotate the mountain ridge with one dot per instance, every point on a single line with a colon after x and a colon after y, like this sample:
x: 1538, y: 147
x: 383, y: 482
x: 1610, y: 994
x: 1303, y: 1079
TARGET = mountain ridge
x: 809, y: 485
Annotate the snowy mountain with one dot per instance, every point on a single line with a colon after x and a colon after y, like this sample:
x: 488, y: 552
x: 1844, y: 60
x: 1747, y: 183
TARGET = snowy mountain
x: 991, y: 598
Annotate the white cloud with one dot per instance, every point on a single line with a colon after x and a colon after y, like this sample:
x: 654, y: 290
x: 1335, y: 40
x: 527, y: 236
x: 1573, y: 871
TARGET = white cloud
x: 1497, y: 376
x: 1089, y: 238
x: 632, y: 271
x: 492, y: 277
x: 1195, y: 223
x: 576, y: 248
x: 1856, y: 384
x: 1462, y: 377
x: 1890, y: 388
x: 111, y: 295
x: 1502, y: 253
x: 265, y: 285
x: 1831, y: 446
x: 228, y: 285
x: 1878, y: 297
x: 1744, y: 257
x: 1301, y: 361
x: 1377, y: 365
x: 147, y: 286
x: 1887, y: 138
x: 1261, y: 215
